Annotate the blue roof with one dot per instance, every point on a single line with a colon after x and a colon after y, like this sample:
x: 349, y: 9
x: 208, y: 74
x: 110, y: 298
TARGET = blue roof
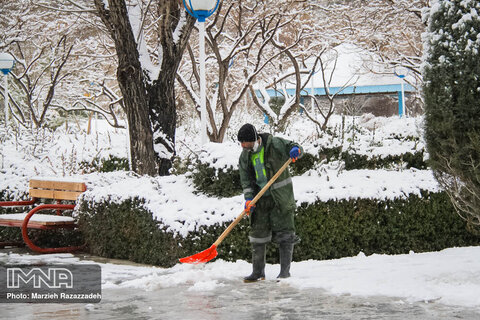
x: 387, y: 88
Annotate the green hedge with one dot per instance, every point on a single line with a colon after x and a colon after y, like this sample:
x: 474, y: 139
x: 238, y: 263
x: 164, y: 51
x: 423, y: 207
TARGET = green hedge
x: 344, y: 228
x: 226, y: 182
x: 410, y: 160
x: 328, y: 230
x: 111, y: 164
x: 126, y: 231
x: 216, y: 182
x: 43, y: 238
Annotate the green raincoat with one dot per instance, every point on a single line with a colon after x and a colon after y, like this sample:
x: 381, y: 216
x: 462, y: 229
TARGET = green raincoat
x: 275, y: 210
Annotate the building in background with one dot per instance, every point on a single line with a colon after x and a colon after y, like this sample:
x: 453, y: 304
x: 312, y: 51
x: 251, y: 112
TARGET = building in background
x: 359, y: 82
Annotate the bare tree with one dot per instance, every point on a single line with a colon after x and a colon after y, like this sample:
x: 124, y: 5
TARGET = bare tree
x: 390, y: 28
x: 301, y: 77
x: 149, y: 38
x: 103, y: 102
x: 326, y: 63
x: 54, y: 55
x: 242, y: 43
x: 49, y: 67
x: 328, y: 69
x: 41, y: 63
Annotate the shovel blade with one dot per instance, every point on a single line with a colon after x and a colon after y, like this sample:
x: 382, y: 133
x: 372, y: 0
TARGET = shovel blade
x: 201, y: 257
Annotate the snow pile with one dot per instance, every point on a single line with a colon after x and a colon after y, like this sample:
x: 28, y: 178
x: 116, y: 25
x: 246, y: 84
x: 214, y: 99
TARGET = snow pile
x: 220, y: 155
x: 449, y: 276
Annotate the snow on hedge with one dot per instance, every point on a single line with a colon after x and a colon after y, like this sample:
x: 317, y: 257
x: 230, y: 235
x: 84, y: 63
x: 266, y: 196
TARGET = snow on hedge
x: 173, y: 199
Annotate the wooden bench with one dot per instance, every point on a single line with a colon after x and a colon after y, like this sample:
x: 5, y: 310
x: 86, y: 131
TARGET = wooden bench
x: 45, y: 189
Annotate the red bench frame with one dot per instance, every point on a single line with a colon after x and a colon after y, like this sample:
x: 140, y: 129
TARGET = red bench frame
x: 45, y: 189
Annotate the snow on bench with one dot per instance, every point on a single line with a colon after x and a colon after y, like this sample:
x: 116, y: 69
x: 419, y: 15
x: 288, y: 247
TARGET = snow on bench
x: 44, y: 219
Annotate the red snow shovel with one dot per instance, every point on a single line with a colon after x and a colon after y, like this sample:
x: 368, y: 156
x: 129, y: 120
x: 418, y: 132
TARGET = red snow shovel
x: 210, y: 253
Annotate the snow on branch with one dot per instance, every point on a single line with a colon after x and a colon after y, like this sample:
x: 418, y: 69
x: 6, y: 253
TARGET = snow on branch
x: 137, y: 15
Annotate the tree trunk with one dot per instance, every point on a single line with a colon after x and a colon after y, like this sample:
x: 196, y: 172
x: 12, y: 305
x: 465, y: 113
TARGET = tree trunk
x: 149, y: 103
x: 163, y: 117
x: 163, y: 113
x: 131, y: 82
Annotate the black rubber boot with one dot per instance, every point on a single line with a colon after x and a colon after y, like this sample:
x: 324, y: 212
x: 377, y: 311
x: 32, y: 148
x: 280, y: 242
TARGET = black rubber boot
x: 286, y: 252
x: 258, y: 263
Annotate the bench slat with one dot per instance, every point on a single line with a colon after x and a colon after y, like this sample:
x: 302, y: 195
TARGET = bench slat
x: 54, y: 194
x: 58, y: 185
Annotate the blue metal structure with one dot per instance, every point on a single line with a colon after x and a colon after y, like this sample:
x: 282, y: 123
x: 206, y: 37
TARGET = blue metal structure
x: 393, y: 89
x: 388, y: 88
x: 200, y: 15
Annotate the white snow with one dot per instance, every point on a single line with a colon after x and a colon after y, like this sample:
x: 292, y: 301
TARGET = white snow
x: 450, y: 277
x: 136, y: 21
x: 37, y: 217
x: 352, y: 184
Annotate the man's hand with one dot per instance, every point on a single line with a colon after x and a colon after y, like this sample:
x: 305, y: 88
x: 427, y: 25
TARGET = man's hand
x: 248, y: 206
x: 294, y: 153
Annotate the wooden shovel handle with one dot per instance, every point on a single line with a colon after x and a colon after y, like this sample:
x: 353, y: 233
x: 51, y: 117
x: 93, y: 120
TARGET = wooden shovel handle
x: 257, y: 197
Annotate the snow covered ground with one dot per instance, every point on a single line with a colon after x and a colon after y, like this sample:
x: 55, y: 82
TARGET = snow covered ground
x: 450, y: 277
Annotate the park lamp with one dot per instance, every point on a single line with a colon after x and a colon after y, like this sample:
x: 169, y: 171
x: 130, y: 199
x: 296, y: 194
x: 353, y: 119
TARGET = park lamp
x: 200, y: 10
x: 7, y: 62
x: 401, y: 72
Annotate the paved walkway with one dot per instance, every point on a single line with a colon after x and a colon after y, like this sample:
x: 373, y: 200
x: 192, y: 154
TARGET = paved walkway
x: 230, y: 299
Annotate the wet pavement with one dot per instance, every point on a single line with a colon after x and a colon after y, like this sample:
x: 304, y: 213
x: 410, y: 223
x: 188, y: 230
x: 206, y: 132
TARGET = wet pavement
x: 233, y: 299
x: 236, y: 300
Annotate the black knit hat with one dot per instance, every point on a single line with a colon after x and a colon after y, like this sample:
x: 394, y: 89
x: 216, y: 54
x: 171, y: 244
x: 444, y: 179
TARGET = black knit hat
x: 247, y: 133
